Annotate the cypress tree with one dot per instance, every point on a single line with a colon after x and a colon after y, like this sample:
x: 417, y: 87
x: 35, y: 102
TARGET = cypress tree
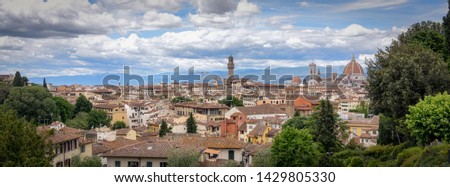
x: 191, y: 125
x: 44, y: 84
x: 18, y: 81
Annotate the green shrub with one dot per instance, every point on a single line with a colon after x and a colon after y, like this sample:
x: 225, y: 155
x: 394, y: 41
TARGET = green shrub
x: 409, y: 157
x: 434, y: 156
x: 356, y: 162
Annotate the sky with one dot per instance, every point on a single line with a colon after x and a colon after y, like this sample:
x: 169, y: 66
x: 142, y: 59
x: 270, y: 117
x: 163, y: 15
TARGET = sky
x: 50, y: 38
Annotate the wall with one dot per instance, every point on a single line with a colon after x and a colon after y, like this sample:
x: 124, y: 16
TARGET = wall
x: 87, y: 150
x: 237, y: 154
x: 143, y: 161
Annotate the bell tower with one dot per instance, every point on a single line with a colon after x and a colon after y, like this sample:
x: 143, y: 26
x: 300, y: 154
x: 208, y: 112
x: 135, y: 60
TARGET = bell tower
x: 230, y: 67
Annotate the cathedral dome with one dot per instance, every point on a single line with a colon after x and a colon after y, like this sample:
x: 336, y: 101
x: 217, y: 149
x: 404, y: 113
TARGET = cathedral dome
x: 353, y: 67
x: 296, y: 79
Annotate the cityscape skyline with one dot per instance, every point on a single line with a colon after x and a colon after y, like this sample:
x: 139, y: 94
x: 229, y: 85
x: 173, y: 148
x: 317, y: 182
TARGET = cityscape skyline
x: 65, y: 38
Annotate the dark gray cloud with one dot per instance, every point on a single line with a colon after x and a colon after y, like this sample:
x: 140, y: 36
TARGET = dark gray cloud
x: 216, y: 6
x: 40, y: 27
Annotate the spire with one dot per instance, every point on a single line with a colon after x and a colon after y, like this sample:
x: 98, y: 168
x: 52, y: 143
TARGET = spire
x: 353, y: 57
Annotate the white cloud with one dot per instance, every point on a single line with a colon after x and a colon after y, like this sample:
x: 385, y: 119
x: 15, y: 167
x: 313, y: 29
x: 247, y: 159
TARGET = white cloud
x: 67, y: 18
x: 9, y: 43
x: 363, y: 57
x: 299, y: 43
x: 244, y: 8
x: 357, y: 30
x: 304, y: 4
x: 153, y: 20
x: 224, y: 14
x: 370, y: 4
x: 205, y: 49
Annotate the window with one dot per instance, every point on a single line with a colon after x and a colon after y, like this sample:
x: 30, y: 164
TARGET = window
x: 213, y: 156
x: 149, y: 164
x: 133, y: 164
x: 163, y: 164
x: 230, y: 154
x: 83, y: 148
x: 117, y: 163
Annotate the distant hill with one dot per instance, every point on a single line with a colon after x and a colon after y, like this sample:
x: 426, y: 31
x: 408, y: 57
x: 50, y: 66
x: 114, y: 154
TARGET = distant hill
x: 96, y: 79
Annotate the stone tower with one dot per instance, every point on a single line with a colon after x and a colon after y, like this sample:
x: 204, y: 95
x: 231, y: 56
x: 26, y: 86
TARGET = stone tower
x: 230, y: 67
x: 312, y: 69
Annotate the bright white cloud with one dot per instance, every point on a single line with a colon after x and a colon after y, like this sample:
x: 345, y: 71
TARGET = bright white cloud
x: 244, y: 8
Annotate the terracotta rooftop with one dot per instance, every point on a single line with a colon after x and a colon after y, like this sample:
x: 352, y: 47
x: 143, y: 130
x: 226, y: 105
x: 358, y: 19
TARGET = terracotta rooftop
x: 62, y: 134
x: 260, y: 109
x: 273, y: 132
x: 252, y: 149
x: 106, y: 106
x: 102, y: 147
x: 140, y: 129
x: 201, y: 105
x: 123, y: 131
x: 211, y: 142
x: 274, y: 120
x: 243, y: 127
x: 258, y: 130
x: 142, y: 150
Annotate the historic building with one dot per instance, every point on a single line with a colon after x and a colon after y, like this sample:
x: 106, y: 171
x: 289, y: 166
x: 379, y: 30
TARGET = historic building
x: 354, y: 73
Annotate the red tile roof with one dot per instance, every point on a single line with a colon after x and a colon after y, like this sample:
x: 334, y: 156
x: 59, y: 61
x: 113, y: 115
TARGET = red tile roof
x: 102, y: 147
x: 142, y: 150
x: 211, y: 142
x: 261, y: 109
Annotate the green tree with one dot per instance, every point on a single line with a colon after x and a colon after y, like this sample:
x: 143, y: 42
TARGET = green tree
x: 44, y: 84
x: 79, y: 122
x: 191, y: 124
x: 82, y: 105
x: 362, y: 108
x: 119, y: 125
x: 34, y: 103
x: 446, y: 25
x: 427, y: 34
x: 183, y: 157
x: 18, y: 81
x: 428, y: 120
x: 180, y: 99
x: 387, y: 131
x: 300, y: 122
x: 262, y: 158
x: 65, y: 108
x: 91, y: 161
x: 164, y: 129
x: 295, y: 148
x: 4, y: 91
x: 25, y: 80
x: 296, y: 113
x: 232, y: 101
x: 326, y: 126
x: 98, y: 118
x: 20, y: 144
x: 399, y: 77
